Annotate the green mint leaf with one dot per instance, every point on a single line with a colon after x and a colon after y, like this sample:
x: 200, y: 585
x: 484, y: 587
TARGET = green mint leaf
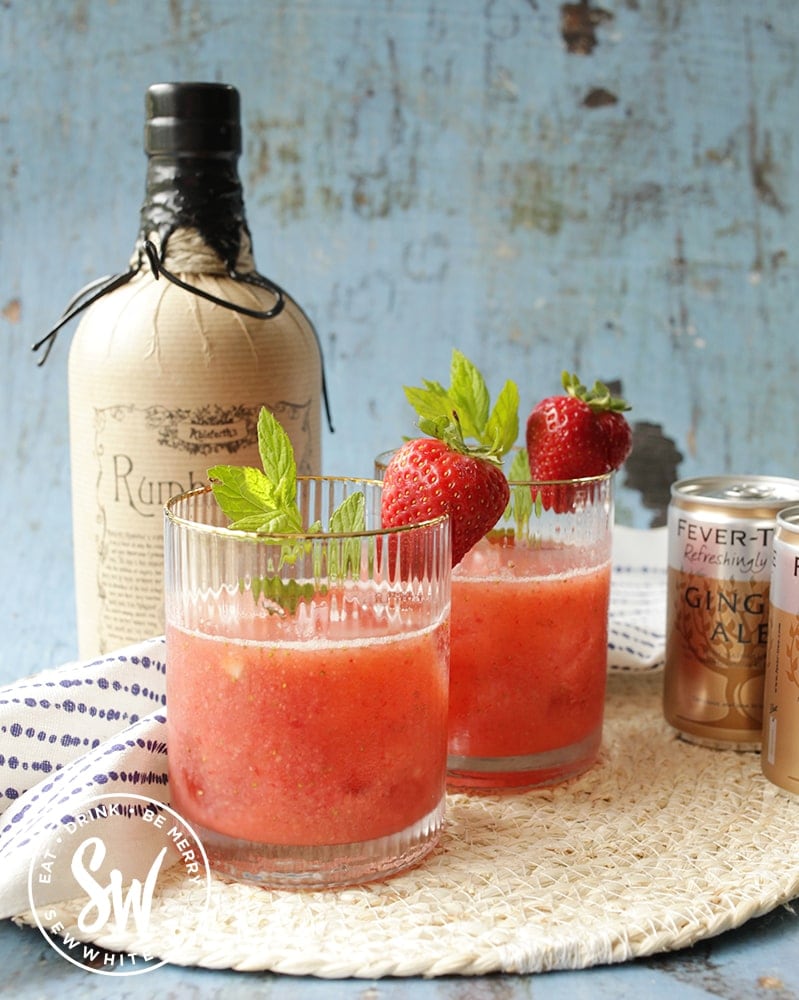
x: 461, y: 416
x: 519, y: 471
x: 502, y: 427
x: 350, y: 515
x: 520, y: 505
x: 344, y: 557
x: 277, y: 458
x: 431, y: 402
x: 265, y: 503
x: 276, y: 522
x: 241, y: 491
x: 285, y: 594
x: 469, y: 395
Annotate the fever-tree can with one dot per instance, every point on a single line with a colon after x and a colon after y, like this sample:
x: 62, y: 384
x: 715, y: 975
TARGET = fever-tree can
x: 780, y: 757
x: 721, y: 531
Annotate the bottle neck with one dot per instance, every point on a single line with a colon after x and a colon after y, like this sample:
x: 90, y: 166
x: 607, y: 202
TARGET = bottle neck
x: 194, y: 212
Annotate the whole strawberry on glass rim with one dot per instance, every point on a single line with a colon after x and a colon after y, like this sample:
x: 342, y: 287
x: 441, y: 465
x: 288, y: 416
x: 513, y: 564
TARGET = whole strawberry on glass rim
x: 579, y: 434
x: 456, y: 469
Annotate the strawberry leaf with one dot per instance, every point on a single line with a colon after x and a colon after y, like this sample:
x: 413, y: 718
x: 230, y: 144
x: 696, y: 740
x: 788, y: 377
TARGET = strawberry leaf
x: 437, y: 428
x: 598, y: 397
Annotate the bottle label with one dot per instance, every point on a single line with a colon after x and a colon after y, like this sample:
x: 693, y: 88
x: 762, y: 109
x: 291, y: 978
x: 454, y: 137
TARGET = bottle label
x: 143, y: 455
x: 178, y: 445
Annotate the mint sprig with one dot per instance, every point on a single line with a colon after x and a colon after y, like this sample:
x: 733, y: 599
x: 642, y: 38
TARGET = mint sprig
x: 264, y: 502
x: 521, y: 506
x: 261, y: 500
x: 462, y: 415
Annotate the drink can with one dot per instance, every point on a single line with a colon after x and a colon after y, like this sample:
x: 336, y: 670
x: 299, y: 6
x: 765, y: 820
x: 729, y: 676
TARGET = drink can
x: 780, y: 757
x: 720, y: 531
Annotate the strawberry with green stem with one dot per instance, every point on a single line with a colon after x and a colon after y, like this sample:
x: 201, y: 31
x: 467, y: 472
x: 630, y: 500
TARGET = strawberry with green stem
x: 457, y: 468
x: 580, y: 434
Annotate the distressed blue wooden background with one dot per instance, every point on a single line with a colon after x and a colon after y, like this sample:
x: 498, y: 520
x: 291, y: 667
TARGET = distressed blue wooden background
x: 612, y: 189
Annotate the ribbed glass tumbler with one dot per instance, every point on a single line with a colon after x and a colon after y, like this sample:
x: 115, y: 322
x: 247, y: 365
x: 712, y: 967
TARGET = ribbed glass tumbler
x: 307, y: 689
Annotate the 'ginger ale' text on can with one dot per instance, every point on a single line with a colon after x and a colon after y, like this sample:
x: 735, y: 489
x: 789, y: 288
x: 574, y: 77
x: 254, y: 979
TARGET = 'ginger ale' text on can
x: 721, y: 530
x: 780, y: 757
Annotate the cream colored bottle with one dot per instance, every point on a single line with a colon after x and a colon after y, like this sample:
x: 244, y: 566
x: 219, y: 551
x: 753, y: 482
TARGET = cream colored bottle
x: 165, y: 382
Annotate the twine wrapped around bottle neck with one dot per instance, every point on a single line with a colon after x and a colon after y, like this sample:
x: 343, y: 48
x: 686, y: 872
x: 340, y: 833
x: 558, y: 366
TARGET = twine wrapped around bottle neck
x: 187, y: 252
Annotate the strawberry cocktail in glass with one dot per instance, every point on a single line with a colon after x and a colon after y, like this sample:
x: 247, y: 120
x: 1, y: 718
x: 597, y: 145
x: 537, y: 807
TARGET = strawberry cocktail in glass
x: 529, y: 640
x: 307, y: 687
x: 529, y: 632
x: 531, y: 554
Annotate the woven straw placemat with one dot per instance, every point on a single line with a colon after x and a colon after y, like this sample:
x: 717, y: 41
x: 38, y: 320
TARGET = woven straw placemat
x: 661, y: 844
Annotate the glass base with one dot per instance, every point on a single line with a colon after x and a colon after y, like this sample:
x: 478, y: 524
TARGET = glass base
x: 290, y: 866
x: 525, y: 771
x: 747, y: 746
